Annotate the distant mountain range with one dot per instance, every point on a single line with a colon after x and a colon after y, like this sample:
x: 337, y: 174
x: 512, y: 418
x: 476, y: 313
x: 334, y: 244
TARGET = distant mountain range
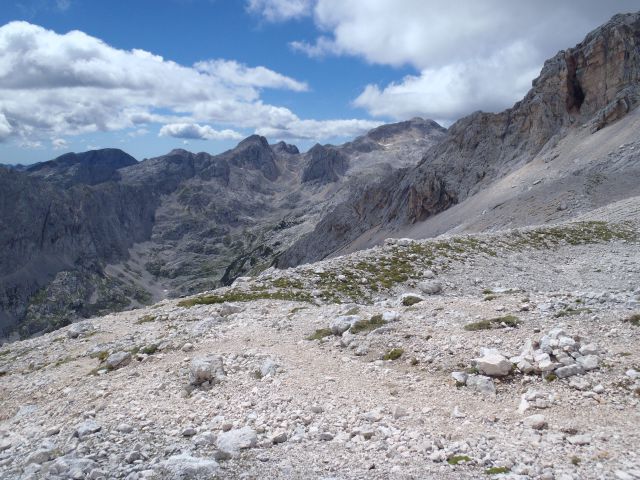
x: 98, y: 231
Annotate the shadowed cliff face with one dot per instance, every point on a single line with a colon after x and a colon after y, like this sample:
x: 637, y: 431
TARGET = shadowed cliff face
x: 592, y: 84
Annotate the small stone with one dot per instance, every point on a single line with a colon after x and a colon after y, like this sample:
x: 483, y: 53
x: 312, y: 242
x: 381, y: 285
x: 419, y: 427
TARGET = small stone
x: 188, y: 432
x: 206, y: 369
x: 268, y: 368
x: 598, y: 389
x: 390, y: 316
x: 124, y: 428
x: 579, y: 440
x: 39, y: 456
x: 317, y: 409
x: 86, y: 428
x: 537, y: 422
x: 399, y: 412
x: 233, y: 441
x: 279, y: 438
x: 408, y: 299
x: 343, y: 323
x: 187, y: 347
x: 569, y: 371
x: 589, y: 362
x: 457, y: 413
x: 589, y: 349
x: 481, y: 384
x: 118, y: 360
x: 431, y: 287
x: 5, y: 445
x: 493, y: 364
x: 580, y: 383
x: 325, y: 437
x: 460, y: 377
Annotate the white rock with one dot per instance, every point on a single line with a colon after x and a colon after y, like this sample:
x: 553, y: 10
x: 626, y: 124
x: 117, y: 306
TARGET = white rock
x: 569, y: 371
x: 537, y: 422
x: 493, y: 364
x: 233, y: 441
x: 87, y: 428
x: 430, y: 287
x: 268, y: 368
x: 118, y: 360
x: 185, y: 466
x: 390, y: 316
x: 589, y: 362
x: 343, y: 323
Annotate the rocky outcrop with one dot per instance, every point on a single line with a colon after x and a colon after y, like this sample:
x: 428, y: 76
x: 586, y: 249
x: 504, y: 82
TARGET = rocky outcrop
x: 326, y: 164
x: 592, y: 84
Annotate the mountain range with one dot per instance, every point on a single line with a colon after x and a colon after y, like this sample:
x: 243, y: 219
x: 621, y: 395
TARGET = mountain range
x: 95, y: 232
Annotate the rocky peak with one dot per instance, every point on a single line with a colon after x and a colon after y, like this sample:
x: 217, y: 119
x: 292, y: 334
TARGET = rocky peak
x: 282, y: 147
x: 386, y: 133
x: 326, y: 164
x: 91, y: 168
x: 254, y: 153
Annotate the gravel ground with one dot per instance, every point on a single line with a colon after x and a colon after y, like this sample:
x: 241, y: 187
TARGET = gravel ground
x: 121, y: 397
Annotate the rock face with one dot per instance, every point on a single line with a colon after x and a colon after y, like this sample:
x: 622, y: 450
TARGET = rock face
x: 326, y: 165
x: 593, y: 84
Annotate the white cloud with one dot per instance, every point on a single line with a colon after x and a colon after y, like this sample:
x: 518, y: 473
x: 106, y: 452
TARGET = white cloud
x: 59, y: 144
x: 319, y: 129
x: 467, y: 54
x: 140, y: 132
x: 235, y: 73
x: 194, y: 131
x: 59, y: 85
x: 280, y: 10
x: 5, y: 127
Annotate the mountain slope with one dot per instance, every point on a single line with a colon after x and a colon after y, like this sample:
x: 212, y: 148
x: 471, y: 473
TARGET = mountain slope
x: 587, y: 88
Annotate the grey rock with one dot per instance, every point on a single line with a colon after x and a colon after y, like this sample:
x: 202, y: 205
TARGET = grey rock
x: 87, y: 428
x: 268, y: 368
x: 184, y: 466
x: 206, y: 369
x: 118, y: 360
x: 493, y: 364
x: 589, y: 362
x: 343, y: 323
x: 569, y: 371
x: 234, y: 440
x: 537, y: 422
x: 431, y: 287
x: 280, y: 437
x: 481, y: 384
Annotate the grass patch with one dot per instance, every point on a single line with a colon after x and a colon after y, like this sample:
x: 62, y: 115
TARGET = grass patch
x: 498, y: 322
x: 457, y: 459
x: 488, y: 298
x: 575, y: 461
x: 146, y: 319
x: 5, y: 353
x: 487, y: 291
x: 149, y: 349
x: 320, y: 334
x: 571, y: 311
x: 411, y: 300
x: 101, y: 355
x: 550, y: 377
x: 633, y: 319
x: 496, y: 470
x: 245, y: 296
x: 367, y: 325
x: 393, y: 354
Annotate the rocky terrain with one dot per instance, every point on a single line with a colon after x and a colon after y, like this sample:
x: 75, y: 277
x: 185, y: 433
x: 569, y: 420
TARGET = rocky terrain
x: 503, y: 355
x: 108, y: 233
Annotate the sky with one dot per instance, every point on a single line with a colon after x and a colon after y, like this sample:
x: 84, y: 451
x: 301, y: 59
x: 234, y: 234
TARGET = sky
x: 148, y: 76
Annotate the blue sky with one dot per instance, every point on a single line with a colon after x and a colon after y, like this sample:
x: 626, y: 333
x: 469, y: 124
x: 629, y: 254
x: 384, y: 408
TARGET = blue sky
x: 304, y: 71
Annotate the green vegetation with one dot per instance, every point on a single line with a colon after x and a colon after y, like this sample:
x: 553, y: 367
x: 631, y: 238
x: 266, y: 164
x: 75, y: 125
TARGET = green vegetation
x: 286, y: 283
x: 571, y: 311
x: 575, y: 460
x: 411, y: 300
x: 551, y: 377
x: 457, y: 459
x: 320, y: 334
x: 367, y: 325
x: 487, y: 291
x: 149, y: 349
x: 496, y: 470
x: 488, y: 298
x: 4, y: 353
x: 246, y: 296
x: 633, y: 319
x: 101, y: 355
x: 498, y: 322
x: 393, y: 354
x: 146, y: 319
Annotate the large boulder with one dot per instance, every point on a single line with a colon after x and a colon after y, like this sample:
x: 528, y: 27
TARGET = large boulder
x: 230, y: 443
x: 493, y: 363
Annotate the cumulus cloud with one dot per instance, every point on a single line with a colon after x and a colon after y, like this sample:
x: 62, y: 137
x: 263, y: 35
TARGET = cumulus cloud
x: 467, y: 54
x: 194, y: 131
x: 319, y: 129
x: 280, y: 10
x: 235, y: 73
x: 54, y: 85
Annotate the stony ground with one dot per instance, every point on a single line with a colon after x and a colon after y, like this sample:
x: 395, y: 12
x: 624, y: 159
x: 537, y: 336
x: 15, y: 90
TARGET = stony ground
x: 260, y: 381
